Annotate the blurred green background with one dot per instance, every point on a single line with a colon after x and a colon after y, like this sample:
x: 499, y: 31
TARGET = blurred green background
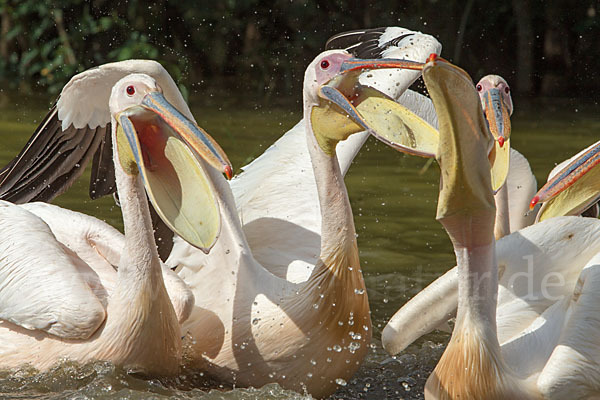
x: 258, y: 49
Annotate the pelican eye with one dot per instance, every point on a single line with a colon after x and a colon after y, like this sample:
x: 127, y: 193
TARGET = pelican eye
x: 479, y: 87
x: 130, y: 90
x: 506, y: 89
x: 324, y: 64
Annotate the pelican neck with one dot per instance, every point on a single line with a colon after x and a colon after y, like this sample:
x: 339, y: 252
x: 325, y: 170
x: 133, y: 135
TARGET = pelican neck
x: 338, y: 235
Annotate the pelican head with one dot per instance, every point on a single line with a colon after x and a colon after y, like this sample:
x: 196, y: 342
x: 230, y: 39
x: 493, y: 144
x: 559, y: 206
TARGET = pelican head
x: 333, y: 96
x: 153, y: 139
x: 573, y: 189
x: 497, y: 107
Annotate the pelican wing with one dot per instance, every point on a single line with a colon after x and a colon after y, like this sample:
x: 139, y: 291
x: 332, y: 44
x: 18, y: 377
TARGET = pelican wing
x: 522, y: 186
x: 572, y: 368
x: 51, y: 161
x: 99, y: 246
x: 387, y: 42
x: 531, y: 264
x: 77, y: 129
x: 44, y: 285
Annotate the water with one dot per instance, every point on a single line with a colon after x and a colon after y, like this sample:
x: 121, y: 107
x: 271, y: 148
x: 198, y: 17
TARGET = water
x: 402, y: 247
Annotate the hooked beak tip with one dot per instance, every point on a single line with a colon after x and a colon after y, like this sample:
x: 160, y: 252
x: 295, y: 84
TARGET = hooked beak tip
x: 534, y: 202
x: 432, y: 57
x: 501, y: 141
x: 228, y: 172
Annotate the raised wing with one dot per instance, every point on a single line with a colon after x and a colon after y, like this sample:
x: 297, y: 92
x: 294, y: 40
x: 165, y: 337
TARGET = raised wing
x: 77, y: 129
x: 387, y: 42
x: 51, y: 161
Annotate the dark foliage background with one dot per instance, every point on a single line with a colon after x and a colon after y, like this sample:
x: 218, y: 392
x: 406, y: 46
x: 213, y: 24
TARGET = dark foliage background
x: 258, y: 49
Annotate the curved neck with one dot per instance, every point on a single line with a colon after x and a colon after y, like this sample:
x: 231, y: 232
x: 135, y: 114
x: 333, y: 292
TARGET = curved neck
x: 139, y: 266
x: 338, y: 236
x: 474, y: 246
x: 474, y: 349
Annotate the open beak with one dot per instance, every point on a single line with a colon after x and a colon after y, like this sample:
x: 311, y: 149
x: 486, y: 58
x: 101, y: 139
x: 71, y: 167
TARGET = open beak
x: 157, y: 140
x: 465, y: 142
x: 498, y: 117
x: 403, y: 130
x: 372, y: 110
x: 572, y: 190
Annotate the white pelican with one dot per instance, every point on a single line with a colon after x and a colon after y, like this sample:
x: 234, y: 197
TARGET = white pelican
x: 54, y: 305
x: 540, y: 341
x: 309, y: 335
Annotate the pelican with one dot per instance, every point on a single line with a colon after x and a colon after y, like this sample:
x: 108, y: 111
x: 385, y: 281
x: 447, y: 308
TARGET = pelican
x: 55, y: 305
x: 532, y: 340
x: 309, y: 335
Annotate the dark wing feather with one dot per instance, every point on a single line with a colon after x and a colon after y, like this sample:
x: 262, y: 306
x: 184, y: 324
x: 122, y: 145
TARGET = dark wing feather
x: 163, y: 235
x: 50, y: 162
x: 363, y: 43
x: 102, y: 180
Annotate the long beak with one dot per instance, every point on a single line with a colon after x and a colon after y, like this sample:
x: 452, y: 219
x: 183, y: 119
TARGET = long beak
x: 498, y: 118
x: 201, y: 141
x: 373, y: 111
x: 166, y: 148
x: 464, y: 146
x: 359, y: 64
x: 572, y: 190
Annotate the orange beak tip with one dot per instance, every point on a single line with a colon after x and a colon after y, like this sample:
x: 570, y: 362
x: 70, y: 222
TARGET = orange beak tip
x: 501, y: 141
x: 534, y: 202
x: 228, y: 172
x: 432, y: 57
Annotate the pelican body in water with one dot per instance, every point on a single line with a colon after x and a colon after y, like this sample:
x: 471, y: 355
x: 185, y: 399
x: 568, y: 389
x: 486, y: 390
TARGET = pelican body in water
x: 57, y: 303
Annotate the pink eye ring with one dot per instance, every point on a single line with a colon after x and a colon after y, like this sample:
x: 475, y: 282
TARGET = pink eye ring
x: 130, y: 90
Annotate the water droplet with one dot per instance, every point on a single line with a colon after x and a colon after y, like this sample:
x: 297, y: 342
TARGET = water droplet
x: 337, y: 348
x: 309, y: 375
x: 353, y: 347
x: 359, y: 291
x: 255, y: 321
x: 313, y: 362
x: 341, y: 382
